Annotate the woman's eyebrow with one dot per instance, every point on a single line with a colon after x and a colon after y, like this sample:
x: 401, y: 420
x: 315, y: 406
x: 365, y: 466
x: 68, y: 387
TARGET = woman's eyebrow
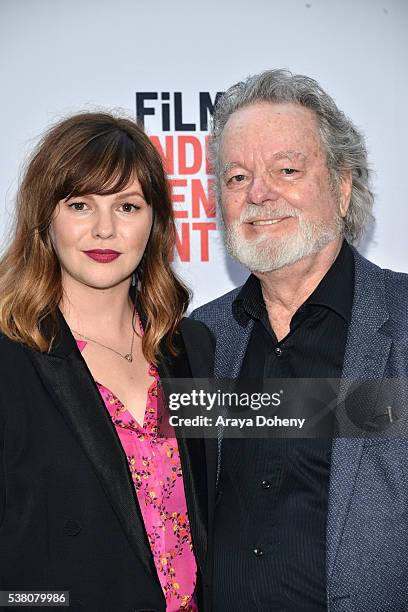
x: 118, y: 196
x: 128, y: 194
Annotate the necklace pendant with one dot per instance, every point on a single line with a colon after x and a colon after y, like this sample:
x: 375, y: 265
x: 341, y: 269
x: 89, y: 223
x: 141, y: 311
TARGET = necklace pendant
x: 129, y: 357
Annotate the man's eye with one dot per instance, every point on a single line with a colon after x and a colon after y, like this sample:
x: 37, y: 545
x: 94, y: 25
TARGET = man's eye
x: 127, y: 207
x: 238, y: 178
x: 289, y: 171
x: 77, y: 205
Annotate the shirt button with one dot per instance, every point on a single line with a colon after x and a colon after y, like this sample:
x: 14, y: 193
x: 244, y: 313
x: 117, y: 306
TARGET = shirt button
x: 265, y: 484
x: 258, y: 552
x: 278, y: 351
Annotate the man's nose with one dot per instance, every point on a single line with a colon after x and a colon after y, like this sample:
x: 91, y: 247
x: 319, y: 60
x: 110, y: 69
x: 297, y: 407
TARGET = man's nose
x: 262, y: 190
x: 104, y: 226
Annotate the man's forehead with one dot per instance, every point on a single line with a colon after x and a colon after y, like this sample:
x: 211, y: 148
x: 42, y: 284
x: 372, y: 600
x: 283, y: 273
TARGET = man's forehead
x: 261, y: 121
x: 262, y: 111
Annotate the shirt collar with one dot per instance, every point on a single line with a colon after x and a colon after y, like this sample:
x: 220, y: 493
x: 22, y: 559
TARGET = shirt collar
x: 335, y: 291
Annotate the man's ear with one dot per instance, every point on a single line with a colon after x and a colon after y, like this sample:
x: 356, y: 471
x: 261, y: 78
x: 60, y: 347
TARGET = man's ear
x: 346, y: 184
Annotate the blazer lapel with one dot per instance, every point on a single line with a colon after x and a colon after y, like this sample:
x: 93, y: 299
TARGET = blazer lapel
x: 68, y: 380
x: 366, y: 356
x: 232, y: 343
x: 231, y: 346
x: 192, y: 454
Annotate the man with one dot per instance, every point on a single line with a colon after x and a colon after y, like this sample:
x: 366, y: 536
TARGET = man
x: 305, y: 525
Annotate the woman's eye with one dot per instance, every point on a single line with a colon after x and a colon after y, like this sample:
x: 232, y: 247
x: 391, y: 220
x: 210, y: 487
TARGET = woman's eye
x: 127, y: 207
x: 77, y: 205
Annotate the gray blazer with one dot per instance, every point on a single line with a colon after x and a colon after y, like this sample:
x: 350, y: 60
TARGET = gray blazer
x: 367, y: 527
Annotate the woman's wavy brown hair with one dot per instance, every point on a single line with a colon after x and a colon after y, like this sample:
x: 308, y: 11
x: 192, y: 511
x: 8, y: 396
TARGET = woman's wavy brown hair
x: 88, y: 153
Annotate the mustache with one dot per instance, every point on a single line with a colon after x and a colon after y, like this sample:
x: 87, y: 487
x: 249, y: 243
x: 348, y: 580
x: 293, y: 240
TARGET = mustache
x: 253, y: 212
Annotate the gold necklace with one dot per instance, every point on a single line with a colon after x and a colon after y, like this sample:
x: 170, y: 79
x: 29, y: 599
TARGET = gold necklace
x: 128, y: 356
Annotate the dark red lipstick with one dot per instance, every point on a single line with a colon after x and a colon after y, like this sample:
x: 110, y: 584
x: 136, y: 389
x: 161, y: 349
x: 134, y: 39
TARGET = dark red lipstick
x: 102, y: 255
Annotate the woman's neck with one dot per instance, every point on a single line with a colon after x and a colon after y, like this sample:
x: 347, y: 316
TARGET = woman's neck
x: 99, y: 313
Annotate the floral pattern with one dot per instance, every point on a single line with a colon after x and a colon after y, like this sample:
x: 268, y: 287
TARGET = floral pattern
x: 155, y: 467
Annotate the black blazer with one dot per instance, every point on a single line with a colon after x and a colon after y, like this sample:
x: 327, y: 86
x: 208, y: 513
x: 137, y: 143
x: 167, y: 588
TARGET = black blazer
x: 69, y: 516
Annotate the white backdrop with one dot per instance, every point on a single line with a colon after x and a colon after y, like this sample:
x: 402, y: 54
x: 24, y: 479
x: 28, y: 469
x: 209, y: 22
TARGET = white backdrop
x: 61, y: 56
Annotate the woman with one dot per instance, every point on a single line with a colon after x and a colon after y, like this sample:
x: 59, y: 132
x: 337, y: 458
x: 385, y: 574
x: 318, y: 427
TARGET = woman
x: 91, y: 495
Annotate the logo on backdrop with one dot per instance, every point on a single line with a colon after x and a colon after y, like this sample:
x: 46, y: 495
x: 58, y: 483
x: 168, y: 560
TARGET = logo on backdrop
x: 180, y: 134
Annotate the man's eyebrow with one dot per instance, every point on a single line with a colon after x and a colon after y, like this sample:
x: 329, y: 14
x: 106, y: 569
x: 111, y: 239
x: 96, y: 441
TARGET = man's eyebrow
x: 226, y: 167
x: 289, y: 155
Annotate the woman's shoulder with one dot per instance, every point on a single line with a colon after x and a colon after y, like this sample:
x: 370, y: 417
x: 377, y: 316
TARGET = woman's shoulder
x: 14, y: 357
x: 9, y: 347
x: 196, y: 331
x: 199, y: 344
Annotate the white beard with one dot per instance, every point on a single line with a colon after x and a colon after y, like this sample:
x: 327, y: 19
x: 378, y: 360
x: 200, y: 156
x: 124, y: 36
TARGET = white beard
x: 265, y: 253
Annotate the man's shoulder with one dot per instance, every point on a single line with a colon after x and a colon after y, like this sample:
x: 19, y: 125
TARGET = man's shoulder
x: 397, y: 281
x: 218, y: 308
x: 396, y: 295
x: 217, y: 314
x: 393, y: 285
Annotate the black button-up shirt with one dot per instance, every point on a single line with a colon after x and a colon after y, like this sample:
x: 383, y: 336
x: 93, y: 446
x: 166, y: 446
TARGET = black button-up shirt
x: 270, y: 531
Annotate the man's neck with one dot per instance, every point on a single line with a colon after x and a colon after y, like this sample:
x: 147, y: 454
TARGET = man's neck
x: 286, y: 289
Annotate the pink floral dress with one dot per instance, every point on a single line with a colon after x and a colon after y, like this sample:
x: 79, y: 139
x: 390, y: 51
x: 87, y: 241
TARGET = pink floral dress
x: 155, y: 467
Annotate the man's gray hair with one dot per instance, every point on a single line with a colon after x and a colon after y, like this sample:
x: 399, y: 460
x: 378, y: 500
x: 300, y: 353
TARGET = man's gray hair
x: 344, y: 144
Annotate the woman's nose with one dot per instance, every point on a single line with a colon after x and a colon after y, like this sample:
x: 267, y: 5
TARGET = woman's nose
x: 104, y: 226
